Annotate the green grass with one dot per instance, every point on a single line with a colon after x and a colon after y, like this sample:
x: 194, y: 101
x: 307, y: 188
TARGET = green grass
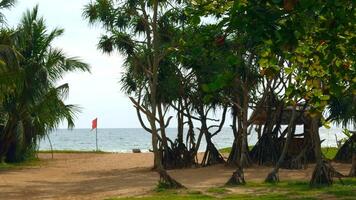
x: 70, y: 151
x: 29, y: 163
x: 225, y: 150
x: 217, y: 190
x: 171, y: 195
x: 329, y: 152
x: 260, y: 191
x: 228, y: 149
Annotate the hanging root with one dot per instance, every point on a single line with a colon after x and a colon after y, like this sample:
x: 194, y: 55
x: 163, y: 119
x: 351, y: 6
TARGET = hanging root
x: 177, y: 157
x: 323, y: 175
x: 353, y: 167
x: 167, y: 182
x: 237, y: 178
x: 246, y: 160
x: 232, y: 160
x: 297, y: 164
x: 272, y: 177
x: 266, y: 151
x: 212, y: 156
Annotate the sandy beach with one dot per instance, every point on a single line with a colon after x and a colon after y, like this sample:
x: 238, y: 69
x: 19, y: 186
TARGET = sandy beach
x: 99, y: 176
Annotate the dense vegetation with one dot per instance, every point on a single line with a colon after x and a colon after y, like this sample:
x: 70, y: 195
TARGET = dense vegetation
x: 265, y: 64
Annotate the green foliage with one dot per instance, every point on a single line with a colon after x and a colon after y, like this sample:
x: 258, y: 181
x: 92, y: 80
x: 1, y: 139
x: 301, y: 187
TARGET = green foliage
x: 32, y: 104
x: 329, y: 152
x: 5, y: 4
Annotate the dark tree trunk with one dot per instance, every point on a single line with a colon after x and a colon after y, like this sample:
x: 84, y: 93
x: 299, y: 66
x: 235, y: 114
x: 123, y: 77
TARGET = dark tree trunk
x: 234, y: 156
x: 273, y: 176
x: 7, y: 137
x: 212, y: 155
x: 167, y: 181
x: 245, y: 160
x: 353, y: 165
x: 237, y: 178
x: 323, y: 172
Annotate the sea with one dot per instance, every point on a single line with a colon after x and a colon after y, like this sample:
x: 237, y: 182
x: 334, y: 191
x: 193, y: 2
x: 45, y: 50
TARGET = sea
x: 126, y: 139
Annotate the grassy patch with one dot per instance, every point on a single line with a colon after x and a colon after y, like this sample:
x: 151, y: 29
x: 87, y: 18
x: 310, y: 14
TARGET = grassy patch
x: 329, y: 152
x: 217, y: 190
x: 296, y: 190
x: 228, y: 149
x: 225, y: 150
x: 170, y: 195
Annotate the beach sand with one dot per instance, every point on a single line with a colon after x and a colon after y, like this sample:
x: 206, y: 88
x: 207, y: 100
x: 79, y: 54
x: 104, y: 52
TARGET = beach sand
x: 98, y: 176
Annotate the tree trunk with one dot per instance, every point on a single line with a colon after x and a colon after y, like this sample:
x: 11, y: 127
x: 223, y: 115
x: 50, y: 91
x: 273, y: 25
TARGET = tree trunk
x: 164, y: 177
x: 258, y: 130
x: 234, y: 156
x: 167, y: 181
x: 323, y: 172
x: 180, y: 125
x: 273, y: 176
x: 212, y: 155
x: 237, y: 178
x: 7, y: 137
x: 245, y: 160
x: 353, y: 165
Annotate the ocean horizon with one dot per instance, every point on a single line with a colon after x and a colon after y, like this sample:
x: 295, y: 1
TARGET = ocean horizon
x: 126, y: 139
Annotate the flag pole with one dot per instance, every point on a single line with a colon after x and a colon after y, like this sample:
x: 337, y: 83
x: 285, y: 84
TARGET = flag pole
x: 96, y: 138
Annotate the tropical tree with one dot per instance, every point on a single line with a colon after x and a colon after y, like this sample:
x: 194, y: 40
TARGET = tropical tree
x: 35, y: 104
x: 137, y: 30
x: 321, y: 54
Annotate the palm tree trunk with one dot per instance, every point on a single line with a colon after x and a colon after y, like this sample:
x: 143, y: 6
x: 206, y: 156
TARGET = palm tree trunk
x: 353, y: 165
x: 273, y: 176
x: 165, y: 179
x: 233, y: 156
x: 245, y: 159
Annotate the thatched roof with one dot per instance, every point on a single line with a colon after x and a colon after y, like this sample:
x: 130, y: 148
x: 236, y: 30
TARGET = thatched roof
x: 262, y: 117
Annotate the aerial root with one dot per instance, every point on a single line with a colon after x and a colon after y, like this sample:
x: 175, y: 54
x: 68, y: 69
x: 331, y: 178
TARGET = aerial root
x: 167, y: 181
x: 237, y: 178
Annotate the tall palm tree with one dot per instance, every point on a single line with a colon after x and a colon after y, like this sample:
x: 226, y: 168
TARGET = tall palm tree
x: 36, y: 106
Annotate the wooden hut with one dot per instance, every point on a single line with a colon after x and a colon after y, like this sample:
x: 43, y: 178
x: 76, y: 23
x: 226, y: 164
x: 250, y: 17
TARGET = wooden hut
x: 300, y: 150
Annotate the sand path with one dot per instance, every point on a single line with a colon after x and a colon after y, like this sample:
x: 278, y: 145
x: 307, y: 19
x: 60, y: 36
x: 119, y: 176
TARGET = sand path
x: 100, y: 176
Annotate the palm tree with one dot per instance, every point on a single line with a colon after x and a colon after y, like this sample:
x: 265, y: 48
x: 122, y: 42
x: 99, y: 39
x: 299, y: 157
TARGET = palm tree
x: 5, y: 4
x: 36, y: 106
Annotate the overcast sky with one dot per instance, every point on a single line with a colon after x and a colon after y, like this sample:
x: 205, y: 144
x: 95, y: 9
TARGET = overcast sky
x: 97, y: 93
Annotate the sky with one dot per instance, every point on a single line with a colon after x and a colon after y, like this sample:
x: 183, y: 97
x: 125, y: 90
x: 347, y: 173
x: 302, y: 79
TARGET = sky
x: 97, y: 93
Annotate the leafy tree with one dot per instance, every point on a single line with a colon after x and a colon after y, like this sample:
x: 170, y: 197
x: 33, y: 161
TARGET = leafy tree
x: 320, y: 49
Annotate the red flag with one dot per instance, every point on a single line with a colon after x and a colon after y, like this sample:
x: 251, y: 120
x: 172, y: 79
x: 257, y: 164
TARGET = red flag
x: 94, y: 124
